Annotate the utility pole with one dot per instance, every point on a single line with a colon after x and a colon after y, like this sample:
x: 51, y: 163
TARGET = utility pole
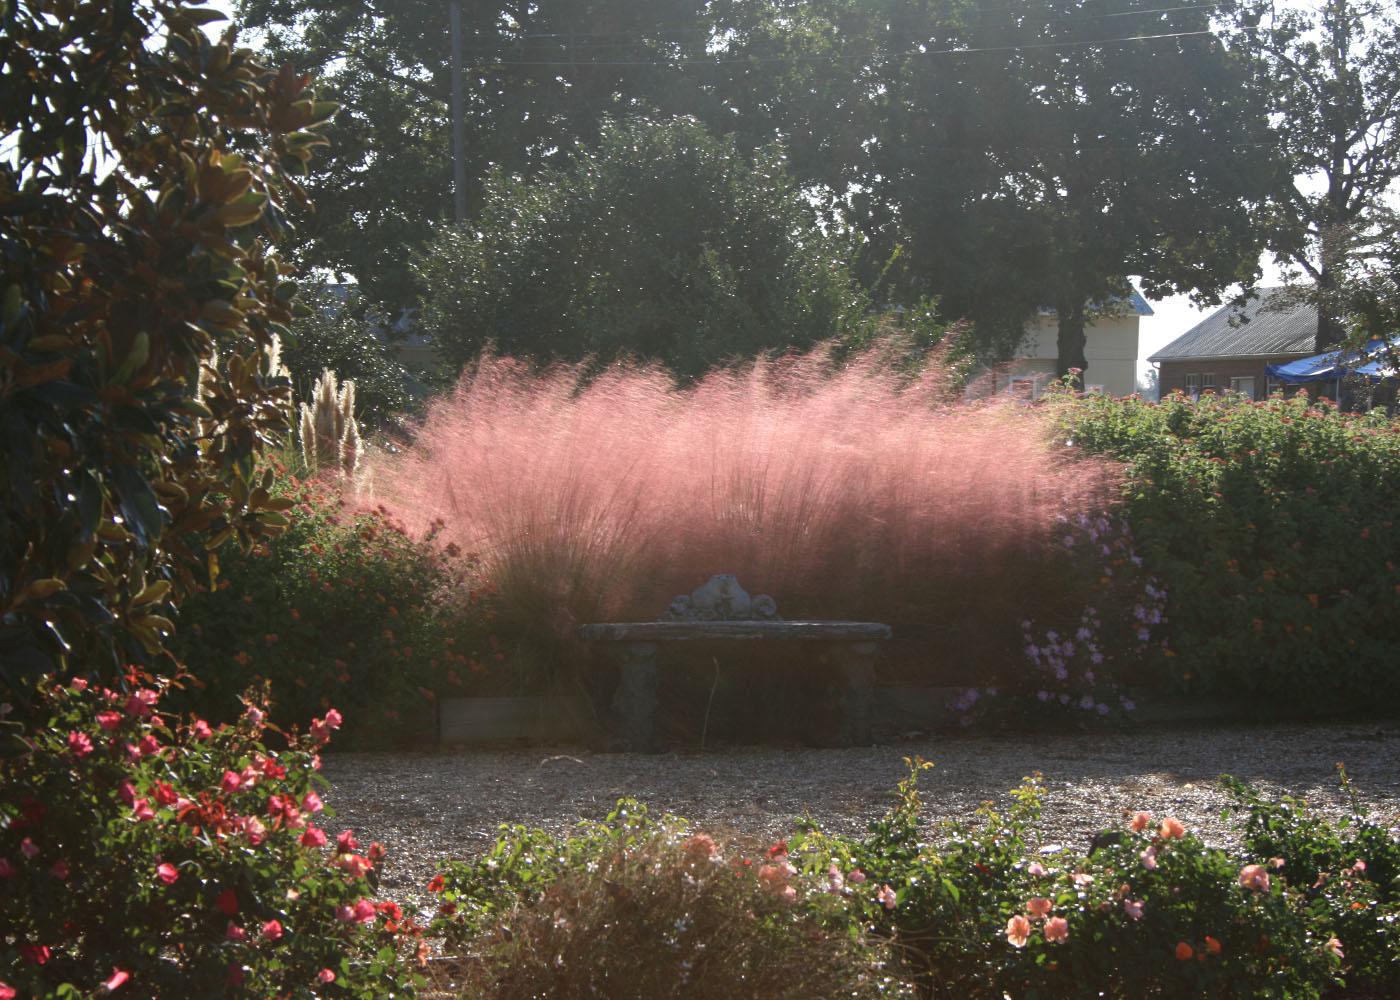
x: 459, y: 125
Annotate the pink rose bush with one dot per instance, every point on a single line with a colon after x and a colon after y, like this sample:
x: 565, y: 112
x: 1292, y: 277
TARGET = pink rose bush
x: 186, y: 866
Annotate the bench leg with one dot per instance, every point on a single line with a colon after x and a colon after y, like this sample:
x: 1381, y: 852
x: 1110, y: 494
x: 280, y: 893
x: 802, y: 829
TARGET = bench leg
x: 635, y: 701
x: 855, y: 662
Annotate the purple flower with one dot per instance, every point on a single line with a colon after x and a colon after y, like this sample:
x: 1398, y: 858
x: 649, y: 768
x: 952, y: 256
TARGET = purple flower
x: 1043, y: 695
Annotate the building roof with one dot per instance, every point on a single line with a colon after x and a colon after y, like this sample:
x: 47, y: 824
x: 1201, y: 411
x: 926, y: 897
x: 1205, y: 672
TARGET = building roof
x: 1274, y: 323
x: 1134, y: 300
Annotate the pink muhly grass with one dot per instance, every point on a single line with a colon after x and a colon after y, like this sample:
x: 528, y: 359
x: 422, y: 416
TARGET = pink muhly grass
x: 844, y: 491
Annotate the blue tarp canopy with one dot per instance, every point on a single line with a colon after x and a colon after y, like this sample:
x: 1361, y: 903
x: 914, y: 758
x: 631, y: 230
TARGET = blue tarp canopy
x: 1370, y: 363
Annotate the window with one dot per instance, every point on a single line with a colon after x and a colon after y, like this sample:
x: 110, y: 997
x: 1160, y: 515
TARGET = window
x: 1209, y: 382
x: 1244, y: 386
x: 1193, y: 385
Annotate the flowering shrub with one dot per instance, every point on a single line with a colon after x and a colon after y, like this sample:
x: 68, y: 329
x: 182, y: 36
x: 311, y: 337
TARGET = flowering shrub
x: 986, y: 911
x: 1271, y: 526
x: 1349, y: 872
x: 633, y: 907
x: 174, y: 858
x: 1081, y: 672
x: 1149, y: 910
x: 343, y: 608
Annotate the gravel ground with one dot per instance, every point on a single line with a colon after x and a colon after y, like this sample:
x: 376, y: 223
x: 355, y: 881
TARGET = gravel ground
x: 431, y: 806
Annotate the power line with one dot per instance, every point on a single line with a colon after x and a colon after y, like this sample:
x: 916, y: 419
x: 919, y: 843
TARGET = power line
x: 762, y: 60
x: 633, y: 38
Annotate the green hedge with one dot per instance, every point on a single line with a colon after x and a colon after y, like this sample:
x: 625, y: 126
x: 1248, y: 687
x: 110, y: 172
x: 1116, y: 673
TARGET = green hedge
x: 1273, y: 527
x: 346, y: 609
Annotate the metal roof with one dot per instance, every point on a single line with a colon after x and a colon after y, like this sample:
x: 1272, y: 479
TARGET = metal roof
x: 1273, y: 323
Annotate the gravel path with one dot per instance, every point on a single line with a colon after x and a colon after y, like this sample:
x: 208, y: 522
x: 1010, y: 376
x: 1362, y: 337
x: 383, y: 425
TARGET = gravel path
x: 427, y: 807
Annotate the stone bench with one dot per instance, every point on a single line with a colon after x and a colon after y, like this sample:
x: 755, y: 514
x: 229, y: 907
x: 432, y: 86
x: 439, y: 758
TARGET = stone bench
x: 722, y: 611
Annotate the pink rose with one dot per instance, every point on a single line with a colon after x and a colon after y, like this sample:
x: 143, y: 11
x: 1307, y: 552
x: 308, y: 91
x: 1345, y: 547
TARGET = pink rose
x: 200, y: 730
x: 80, y: 744
x: 1133, y: 908
x: 1141, y: 822
x: 109, y: 720
x: 28, y: 848
x: 1255, y: 877
x: 143, y: 810
x: 235, y: 933
x: 1149, y: 859
x: 311, y: 802
x: 231, y: 781
x: 1171, y: 829
x: 886, y: 897
x: 1057, y: 930
x: 326, y: 976
x: 1018, y: 931
x: 857, y: 876
x: 313, y: 837
x: 167, y: 873
x: 1038, y: 907
x: 272, y: 930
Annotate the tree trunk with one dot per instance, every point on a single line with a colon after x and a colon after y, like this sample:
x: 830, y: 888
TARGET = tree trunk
x: 1070, y: 341
x: 1331, y: 331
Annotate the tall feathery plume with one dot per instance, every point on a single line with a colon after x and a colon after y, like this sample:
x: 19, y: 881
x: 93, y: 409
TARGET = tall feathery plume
x: 329, y: 436
x: 308, y: 437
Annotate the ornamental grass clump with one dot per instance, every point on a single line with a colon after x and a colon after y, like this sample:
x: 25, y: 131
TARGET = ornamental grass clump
x: 845, y: 491
x: 330, y: 437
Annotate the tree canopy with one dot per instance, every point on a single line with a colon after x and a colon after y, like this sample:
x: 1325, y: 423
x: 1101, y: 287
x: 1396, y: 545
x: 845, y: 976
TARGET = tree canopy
x: 135, y: 250
x: 539, y: 80
x: 1334, y: 87
x: 662, y: 242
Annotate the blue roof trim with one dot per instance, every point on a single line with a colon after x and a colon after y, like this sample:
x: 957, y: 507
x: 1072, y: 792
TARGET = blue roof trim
x: 1139, y: 303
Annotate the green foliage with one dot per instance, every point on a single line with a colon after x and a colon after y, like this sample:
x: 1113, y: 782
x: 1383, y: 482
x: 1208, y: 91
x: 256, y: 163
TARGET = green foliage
x: 1023, y: 157
x: 1351, y: 871
x: 955, y: 903
x: 1272, y: 528
x: 342, y: 608
x: 982, y: 910
x: 538, y: 81
x: 182, y: 857
x: 123, y: 270
x: 340, y: 335
x: 662, y: 243
x: 1332, y: 73
x: 631, y: 907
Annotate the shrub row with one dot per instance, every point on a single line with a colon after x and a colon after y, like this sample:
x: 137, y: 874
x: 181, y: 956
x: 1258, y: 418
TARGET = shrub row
x: 1272, y: 526
x: 635, y: 906
x: 343, y: 607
